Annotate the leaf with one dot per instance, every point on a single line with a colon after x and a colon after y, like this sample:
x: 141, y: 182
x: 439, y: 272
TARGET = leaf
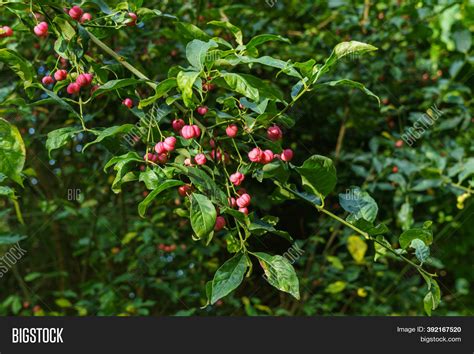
x: 408, y: 236
x: 196, y: 52
x: 63, y: 303
x: 122, y: 167
x: 357, y: 248
x: 185, y: 80
x: 54, y: 97
x: 269, y: 61
x: 19, y: 65
x: 318, y: 175
x: 381, y: 247
x: 236, y: 31
x: 10, y: 239
x: 262, y: 38
x: 59, y: 137
x: 143, y: 206
x: 115, y: 85
x: 205, y: 184
x: 433, y: 297
x: 111, y: 131
x: 341, y: 50
x: 280, y: 273
x: 190, y: 31
x: 66, y: 30
x: 336, y: 287
x: 160, y: 90
x: 239, y: 84
x: 228, y: 277
x: 12, y: 151
x: 261, y: 227
x: 354, y: 84
x: 360, y: 204
x: 203, y: 215
x: 422, y: 251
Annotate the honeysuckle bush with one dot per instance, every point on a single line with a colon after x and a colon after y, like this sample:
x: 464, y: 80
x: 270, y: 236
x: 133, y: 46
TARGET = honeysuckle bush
x: 235, y: 124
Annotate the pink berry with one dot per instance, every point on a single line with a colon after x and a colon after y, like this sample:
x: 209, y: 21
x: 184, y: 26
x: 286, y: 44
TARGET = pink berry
x: 231, y: 130
x: 178, y: 124
x: 184, y: 190
x: 202, y: 110
x: 41, y: 29
x: 237, y: 178
x: 244, y: 210
x: 6, y: 31
x: 200, y: 159
x: 82, y: 80
x: 399, y: 143
x: 187, y: 132
x: 267, y: 156
x: 76, y: 12
x: 232, y: 202
x: 243, y: 201
x: 220, y: 223
x: 149, y: 156
x: 160, y: 148
x: 47, y: 80
x: 212, y: 143
x: 169, y: 143
x: 128, y: 102
x: 287, y: 155
x: 73, y: 88
x: 133, y: 19
x: 197, y: 131
x: 216, y: 155
x: 163, y: 158
x: 60, y: 75
x: 187, y: 162
x: 255, y: 155
x: 86, y: 17
x: 274, y: 133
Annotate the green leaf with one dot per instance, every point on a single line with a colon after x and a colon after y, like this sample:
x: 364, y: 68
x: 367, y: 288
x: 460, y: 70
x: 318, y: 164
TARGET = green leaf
x: 150, y: 178
x: 381, y: 247
x: 354, y: 84
x: 262, y: 38
x: 238, y: 83
x: 59, y: 137
x: 318, y: 175
x: 111, y: 131
x: 185, y: 80
x: 12, y: 151
x: 360, y: 204
x: 10, y: 239
x: 66, y: 30
x: 228, y: 277
x: 56, y: 99
x: 236, y: 31
x: 203, y: 216
x: 19, y: 65
x: 433, y: 297
x: 115, y: 85
x: 121, y: 165
x: 280, y: 273
x: 416, y: 233
x: 160, y: 90
x: 190, y: 31
x: 261, y: 227
x: 422, y: 251
x: 336, y: 287
x: 196, y: 52
x: 206, y: 185
x: 269, y: 61
x: 143, y: 206
x: 340, y: 51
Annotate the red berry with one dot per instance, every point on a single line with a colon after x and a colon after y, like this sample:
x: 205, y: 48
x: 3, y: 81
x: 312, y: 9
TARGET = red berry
x: 232, y: 202
x: 237, y: 178
x: 60, y: 75
x: 169, y: 143
x: 47, y: 80
x: 202, y: 110
x: 200, y: 159
x: 197, y: 131
x: 133, y: 19
x: 244, y: 210
x: 73, y: 88
x: 286, y: 155
x: 395, y: 169
x: 184, y: 190
x: 267, y: 156
x: 41, y: 29
x: 128, y: 102
x: 274, y: 133
x: 220, y: 223
x: 231, y: 130
x: 399, y: 143
x: 243, y: 201
x: 82, y: 80
x: 255, y: 155
x: 187, y: 132
x: 76, y: 12
x: 160, y: 148
x: 86, y: 17
x: 162, y: 158
x: 178, y: 124
x: 6, y: 31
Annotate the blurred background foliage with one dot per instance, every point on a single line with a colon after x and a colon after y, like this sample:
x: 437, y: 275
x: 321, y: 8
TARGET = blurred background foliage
x: 96, y: 256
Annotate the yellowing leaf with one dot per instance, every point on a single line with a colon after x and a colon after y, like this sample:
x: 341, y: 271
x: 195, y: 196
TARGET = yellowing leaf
x: 357, y: 248
x: 336, y: 287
